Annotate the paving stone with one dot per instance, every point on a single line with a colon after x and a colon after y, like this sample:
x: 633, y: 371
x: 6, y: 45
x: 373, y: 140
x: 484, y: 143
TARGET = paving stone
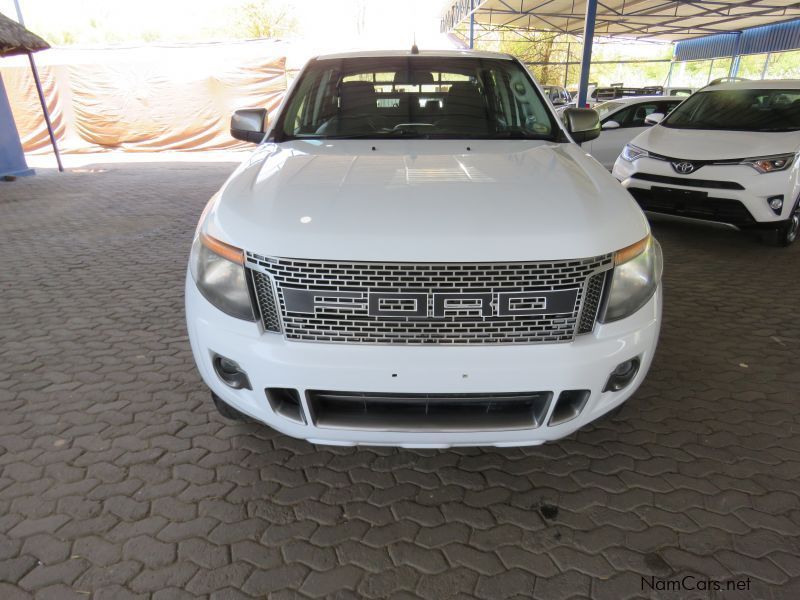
x: 285, y: 577
x: 151, y: 580
x: 327, y: 583
x: 203, y: 553
x: 111, y: 452
x: 97, y: 550
x: 511, y: 584
x: 46, y: 548
x: 11, y: 592
x: 485, y: 563
x: 314, y: 557
x: 206, y: 581
x: 63, y: 572
x: 381, y: 585
x: 374, y: 560
x: 13, y: 569
x: 99, y: 577
x: 450, y: 584
x: 149, y: 551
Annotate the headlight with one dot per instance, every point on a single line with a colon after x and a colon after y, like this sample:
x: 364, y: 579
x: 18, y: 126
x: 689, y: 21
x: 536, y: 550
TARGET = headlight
x: 218, y: 270
x: 637, y: 272
x: 769, y: 164
x: 631, y: 152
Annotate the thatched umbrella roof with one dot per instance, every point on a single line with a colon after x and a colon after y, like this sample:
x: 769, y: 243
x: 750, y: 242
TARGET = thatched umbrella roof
x: 15, y: 39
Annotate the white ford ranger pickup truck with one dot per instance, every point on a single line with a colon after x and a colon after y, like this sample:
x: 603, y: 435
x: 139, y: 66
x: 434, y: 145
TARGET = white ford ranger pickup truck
x: 418, y: 253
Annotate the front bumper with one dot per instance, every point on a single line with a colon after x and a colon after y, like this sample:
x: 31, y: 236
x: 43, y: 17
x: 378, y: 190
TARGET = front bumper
x: 271, y: 361
x: 743, y: 208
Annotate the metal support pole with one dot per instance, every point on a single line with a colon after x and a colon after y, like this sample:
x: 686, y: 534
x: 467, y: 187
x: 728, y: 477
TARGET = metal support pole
x: 766, y: 66
x: 586, y: 61
x: 710, y: 69
x: 40, y: 91
x: 566, y: 66
x: 471, y: 24
x: 734, y: 68
x: 669, y: 75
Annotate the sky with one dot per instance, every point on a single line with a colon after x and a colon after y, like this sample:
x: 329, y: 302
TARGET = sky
x: 327, y: 24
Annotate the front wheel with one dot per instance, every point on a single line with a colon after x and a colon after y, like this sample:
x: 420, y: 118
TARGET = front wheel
x: 787, y: 232
x: 226, y: 410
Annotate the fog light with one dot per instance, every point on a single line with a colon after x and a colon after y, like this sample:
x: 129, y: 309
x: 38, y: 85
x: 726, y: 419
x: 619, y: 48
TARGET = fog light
x: 622, y: 375
x: 231, y: 373
x: 776, y: 204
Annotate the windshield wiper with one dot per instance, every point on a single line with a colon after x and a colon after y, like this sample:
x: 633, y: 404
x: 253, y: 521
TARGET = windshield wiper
x: 517, y: 134
x: 374, y: 135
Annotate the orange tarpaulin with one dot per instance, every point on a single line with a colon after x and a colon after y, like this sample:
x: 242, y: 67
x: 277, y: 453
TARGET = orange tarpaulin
x: 145, y: 99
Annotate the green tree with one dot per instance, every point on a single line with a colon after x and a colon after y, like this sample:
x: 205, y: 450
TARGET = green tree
x: 264, y: 19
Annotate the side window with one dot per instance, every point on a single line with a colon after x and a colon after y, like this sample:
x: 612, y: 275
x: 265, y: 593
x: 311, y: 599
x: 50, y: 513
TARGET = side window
x: 620, y: 116
x: 667, y: 107
x: 637, y: 114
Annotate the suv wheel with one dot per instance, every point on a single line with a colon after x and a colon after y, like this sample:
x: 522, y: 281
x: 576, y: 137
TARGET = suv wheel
x: 788, y: 231
x: 226, y: 410
x: 792, y: 229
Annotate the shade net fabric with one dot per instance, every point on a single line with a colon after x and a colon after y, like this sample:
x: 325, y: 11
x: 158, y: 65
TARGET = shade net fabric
x: 145, y: 99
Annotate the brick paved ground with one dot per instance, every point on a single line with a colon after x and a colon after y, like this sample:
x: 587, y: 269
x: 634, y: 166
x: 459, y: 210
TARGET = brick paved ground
x: 118, y: 479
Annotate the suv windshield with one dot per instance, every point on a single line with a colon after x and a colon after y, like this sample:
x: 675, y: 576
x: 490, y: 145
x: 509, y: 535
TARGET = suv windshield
x: 739, y: 110
x: 419, y: 96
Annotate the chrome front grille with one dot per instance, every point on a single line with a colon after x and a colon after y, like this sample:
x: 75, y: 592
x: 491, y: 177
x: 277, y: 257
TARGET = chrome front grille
x: 430, y: 303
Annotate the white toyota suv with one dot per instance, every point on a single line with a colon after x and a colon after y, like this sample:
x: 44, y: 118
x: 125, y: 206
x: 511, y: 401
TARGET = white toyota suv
x: 728, y: 154
x: 418, y: 254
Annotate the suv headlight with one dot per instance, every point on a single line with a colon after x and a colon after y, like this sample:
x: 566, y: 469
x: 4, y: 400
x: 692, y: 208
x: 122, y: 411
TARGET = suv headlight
x: 218, y: 270
x: 770, y: 164
x: 632, y: 153
x: 637, y: 272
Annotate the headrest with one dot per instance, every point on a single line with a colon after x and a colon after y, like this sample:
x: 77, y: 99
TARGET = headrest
x: 413, y: 77
x: 357, y: 96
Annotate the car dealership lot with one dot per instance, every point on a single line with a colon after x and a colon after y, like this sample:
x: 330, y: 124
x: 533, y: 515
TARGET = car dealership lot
x: 117, y: 477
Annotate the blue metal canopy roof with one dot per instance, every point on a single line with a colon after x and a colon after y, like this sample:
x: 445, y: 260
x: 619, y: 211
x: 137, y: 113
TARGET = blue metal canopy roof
x: 758, y: 40
x: 666, y: 20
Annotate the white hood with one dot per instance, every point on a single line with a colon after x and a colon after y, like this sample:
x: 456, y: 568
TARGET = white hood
x: 425, y: 200
x: 697, y: 144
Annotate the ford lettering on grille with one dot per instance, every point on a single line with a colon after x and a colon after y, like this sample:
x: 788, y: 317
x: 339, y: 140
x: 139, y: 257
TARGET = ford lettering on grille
x: 436, y: 306
x: 428, y: 303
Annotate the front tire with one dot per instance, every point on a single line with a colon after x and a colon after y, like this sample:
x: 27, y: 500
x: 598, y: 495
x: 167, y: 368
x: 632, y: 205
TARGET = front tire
x: 787, y: 232
x: 226, y: 410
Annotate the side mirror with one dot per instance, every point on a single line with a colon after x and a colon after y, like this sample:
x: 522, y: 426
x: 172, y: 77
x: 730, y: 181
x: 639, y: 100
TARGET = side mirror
x: 611, y: 125
x: 583, y: 124
x: 654, y: 118
x: 249, y: 124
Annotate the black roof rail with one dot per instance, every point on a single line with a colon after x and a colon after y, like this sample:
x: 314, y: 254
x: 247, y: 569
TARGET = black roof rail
x: 719, y: 80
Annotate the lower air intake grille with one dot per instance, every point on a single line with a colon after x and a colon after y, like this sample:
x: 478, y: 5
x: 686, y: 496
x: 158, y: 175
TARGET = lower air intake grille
x: 428, y: 303
x: 424, y: 412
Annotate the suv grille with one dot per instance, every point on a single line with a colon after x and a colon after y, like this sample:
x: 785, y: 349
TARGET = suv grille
x: 348, y: 308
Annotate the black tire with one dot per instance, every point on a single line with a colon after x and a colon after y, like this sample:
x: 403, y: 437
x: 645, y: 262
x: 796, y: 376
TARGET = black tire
x: 226, y: 410
x: 612, y: 414
x: 787, y: 232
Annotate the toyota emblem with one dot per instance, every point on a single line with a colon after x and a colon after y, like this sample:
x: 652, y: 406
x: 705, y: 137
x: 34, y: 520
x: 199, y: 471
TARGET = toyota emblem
x: 684, y: 167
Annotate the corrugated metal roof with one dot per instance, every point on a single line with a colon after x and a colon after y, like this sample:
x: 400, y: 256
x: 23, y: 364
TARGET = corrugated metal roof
x: 758, y: 40
x: 667, y: 20
x: 772, y: 38
x: 712, y: 46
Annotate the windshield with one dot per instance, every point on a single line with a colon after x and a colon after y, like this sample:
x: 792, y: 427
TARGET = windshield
x: 606, y: 108
x: 441, y: 97
x: 739, y: 110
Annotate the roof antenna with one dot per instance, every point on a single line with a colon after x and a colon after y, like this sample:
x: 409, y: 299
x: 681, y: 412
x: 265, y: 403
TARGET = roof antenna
x: 414, y: 49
